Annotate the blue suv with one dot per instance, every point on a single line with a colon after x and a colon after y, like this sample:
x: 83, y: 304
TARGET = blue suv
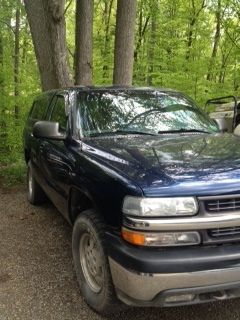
x: 151, y: 187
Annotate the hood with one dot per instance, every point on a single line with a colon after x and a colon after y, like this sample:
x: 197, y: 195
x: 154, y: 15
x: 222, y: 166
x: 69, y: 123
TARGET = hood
x: 192, y: 164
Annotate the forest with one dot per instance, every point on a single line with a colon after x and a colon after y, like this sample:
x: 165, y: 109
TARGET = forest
x: 189, y: 45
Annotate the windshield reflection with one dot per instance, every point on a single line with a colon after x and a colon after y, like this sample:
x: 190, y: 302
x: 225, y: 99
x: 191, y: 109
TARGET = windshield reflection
x: 145, y: 112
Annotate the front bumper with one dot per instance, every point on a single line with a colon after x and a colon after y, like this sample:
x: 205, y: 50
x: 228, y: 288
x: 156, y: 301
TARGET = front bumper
x: 168, y: 277
x: 155, y: 289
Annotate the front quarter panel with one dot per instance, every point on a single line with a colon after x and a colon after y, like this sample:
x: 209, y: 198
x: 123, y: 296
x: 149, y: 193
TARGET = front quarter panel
x: 103, y: 185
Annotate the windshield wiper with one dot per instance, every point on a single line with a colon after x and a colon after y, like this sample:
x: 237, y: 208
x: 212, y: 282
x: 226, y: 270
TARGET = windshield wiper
x: 184, y: 130
x: 134, y: 132
x: 119, y: 131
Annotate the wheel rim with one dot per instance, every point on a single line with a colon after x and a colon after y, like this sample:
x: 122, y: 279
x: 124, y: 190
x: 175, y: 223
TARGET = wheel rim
x: 30, y: 183
x: 91, y: 262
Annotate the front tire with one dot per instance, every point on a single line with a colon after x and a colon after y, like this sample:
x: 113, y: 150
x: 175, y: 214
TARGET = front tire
x: 35, y: 193
x: 91, y: 263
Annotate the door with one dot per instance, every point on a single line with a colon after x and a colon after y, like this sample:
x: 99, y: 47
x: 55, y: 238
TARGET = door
x: 56, y: 160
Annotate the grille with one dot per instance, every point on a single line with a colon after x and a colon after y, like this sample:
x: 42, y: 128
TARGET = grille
x: 225, y: 232
x: 218, y: 205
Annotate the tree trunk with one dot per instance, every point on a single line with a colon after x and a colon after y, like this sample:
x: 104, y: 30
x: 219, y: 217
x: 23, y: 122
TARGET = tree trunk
x: 23, y: 55
x: 2, y: 121
x: 83, y: 42
x: 47, y: 25
x: 193, y: 20
x: 142, y: 27
x: 152, y: 43
x: 124, y: 42
x: 190, y: 37
x: 16, y: 61
x: 224, y: 63
x: 235, y: 75
x: 107, y: 15
x: 1, y: 63
x: 216, y: 41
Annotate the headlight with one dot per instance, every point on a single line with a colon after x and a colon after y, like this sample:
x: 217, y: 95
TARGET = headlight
x: 160, y: 207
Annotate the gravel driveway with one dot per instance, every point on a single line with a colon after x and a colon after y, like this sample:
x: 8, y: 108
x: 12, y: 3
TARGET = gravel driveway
x: 37, y: 279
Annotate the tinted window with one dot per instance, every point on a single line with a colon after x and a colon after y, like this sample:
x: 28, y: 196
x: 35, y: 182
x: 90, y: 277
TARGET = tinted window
x: 39, y: 108
x: 59, y: 114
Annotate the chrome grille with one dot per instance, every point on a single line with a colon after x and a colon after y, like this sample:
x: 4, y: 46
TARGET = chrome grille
x: 225, y: 204
x: 225, y: 232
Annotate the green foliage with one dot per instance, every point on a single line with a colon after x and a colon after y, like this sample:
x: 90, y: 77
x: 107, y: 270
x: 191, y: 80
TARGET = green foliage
x: 174, y: 43
x: 12, y: 174
x: 181, y: 51
x: 27, y: 85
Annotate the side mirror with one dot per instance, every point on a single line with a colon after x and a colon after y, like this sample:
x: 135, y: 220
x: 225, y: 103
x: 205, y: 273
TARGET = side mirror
x: 236, y: 131
x: 48, y: 130
x: 222, y: 124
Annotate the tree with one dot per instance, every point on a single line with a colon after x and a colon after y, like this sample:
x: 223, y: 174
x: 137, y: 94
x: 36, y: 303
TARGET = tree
x: 16, y: 59
x: 152, y: 42
x: 124, y: 42
x: 216, y: 40
x: 106, y: 20
x: 47, y: 25
x: 142, y: 27
x: 83, y: 42
x: 1, y: 58
x: 192, y: 21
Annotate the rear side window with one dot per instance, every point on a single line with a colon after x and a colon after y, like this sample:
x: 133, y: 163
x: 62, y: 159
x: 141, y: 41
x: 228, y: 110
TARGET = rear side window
x: 59, y: 114
x: 39, y: 108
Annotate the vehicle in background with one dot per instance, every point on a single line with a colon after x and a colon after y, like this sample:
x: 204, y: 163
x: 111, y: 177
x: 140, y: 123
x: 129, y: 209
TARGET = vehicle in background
x: 225, y: 111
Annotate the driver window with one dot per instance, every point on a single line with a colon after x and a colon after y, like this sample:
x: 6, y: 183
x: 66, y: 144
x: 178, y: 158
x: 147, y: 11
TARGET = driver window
x: 59, y: 114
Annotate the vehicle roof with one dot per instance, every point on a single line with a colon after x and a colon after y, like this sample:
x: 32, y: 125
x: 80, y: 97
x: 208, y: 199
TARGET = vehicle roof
x: 112, y: 88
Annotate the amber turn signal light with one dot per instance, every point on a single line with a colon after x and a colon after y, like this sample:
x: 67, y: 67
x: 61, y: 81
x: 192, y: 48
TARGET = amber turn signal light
x: 133, y: 237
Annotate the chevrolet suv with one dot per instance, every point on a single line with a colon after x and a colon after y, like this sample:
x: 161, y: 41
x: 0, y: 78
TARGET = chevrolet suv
x: 151, y: 187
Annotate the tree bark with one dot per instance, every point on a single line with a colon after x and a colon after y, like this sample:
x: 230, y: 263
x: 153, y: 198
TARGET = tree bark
x: 16, y: 60
x: 83, y: 42
x: 47, y: 26
x: 124, y: 42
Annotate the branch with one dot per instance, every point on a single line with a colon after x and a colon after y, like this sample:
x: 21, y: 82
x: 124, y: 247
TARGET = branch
x: 203, y: 5
x: 145, y: 26
x: 67, y: 7
x: 97, y: 4
x: 70, y: 52
x: 230, y: 37
x: 193, y: 6
x: 139, y: 42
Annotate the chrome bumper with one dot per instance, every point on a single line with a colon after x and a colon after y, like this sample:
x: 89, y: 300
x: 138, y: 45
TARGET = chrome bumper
x: 186, y: 224
x: 144, y: 288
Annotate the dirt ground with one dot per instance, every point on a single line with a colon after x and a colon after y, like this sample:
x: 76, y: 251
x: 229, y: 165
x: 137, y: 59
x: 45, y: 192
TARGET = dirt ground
x: 37, y: 279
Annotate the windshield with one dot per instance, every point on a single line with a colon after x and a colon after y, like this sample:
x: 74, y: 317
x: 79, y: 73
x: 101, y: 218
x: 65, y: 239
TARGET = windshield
x: 148, y: 112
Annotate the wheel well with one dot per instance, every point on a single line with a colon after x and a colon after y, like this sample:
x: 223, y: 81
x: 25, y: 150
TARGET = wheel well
x: 78, y: 202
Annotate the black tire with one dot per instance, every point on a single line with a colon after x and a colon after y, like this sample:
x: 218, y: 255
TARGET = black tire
x: 101, y: 298
x: 35, y: 194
